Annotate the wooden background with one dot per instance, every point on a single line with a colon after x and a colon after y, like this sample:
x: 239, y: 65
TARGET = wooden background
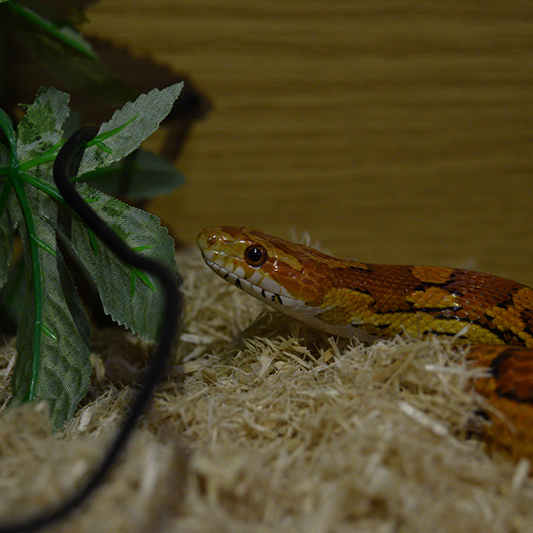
x: 397, y: 132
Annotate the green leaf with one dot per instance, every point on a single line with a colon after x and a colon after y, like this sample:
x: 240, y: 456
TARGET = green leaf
x: 6, y: 224
x: 64, y: 52
x: 52, y: 341
x: 64, y: 34
x: 129, y: 126
x: 140, y: 311
x: 6, y: 245
x: 145, y: 176
x: 65, y: 369
x: 4, y: 156
x: 11, y: 304
x: 40, y: 129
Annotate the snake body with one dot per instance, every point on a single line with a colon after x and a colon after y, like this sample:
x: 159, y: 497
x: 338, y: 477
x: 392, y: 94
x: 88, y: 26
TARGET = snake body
x: 369, y: 301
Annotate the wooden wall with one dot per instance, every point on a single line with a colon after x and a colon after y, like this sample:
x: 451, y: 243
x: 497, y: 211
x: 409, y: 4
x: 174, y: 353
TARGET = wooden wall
x: 391, y: 131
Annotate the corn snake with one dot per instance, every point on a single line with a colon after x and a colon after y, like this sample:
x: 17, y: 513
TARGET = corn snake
x: 368, y: 301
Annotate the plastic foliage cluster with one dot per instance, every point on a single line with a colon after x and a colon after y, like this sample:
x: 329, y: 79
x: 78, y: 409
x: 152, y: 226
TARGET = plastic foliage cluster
x: 53, y: 329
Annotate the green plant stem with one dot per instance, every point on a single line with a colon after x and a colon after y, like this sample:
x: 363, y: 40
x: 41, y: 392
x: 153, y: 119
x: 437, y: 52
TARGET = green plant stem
x: 46, y: 158
x: 42, y: 186
x: 15, y: 180
x: 37, y: 283
x: 50, y: 28
x: 51, y: 153
x: 40, y: 160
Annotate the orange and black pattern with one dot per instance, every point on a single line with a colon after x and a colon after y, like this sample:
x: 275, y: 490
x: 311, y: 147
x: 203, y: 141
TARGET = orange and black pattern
x: 493, y: 314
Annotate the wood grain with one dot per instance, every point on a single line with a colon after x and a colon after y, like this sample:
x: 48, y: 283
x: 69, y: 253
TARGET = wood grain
x: 392, y: 132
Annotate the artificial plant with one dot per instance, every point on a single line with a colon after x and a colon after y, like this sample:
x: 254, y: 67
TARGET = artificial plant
x: 53, y: 332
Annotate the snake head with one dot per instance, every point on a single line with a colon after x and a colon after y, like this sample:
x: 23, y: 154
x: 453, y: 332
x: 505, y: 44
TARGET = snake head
x: 289, y: 277
x: 266, y: 267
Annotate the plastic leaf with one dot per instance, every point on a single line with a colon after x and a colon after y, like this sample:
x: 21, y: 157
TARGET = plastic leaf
x: 52, y: 341
x: 6, y: 228
x: 128, y: 127
x: 63, y: 51
x: 63, y: 33
x: 64, y: 367
x: 6, y: 246
x: 145, y: 176
x: 140, y: 311
x: 40, y: 129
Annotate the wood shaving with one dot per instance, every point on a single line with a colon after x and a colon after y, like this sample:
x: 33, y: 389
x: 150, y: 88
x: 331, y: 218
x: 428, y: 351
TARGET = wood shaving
x: 273, y: 428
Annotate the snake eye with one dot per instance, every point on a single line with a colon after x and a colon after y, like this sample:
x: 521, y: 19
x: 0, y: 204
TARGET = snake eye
x: 256, y: 255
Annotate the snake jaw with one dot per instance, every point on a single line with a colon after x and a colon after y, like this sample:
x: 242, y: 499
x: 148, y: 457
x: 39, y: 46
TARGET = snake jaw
x: 268, y: 292
x: 227, y: 268
x: 288, y: 305
x: 254, y: 281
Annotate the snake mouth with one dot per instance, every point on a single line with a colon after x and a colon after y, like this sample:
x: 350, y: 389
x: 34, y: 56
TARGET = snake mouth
x: 219, y: 260
x: 286, y: 304
x: 267, y: 296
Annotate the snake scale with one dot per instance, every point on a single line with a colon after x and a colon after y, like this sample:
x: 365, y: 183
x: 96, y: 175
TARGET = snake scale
x: 369, y: 301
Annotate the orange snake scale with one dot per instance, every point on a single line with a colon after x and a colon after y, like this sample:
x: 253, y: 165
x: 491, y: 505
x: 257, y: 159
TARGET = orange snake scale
x: 369, y: 301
